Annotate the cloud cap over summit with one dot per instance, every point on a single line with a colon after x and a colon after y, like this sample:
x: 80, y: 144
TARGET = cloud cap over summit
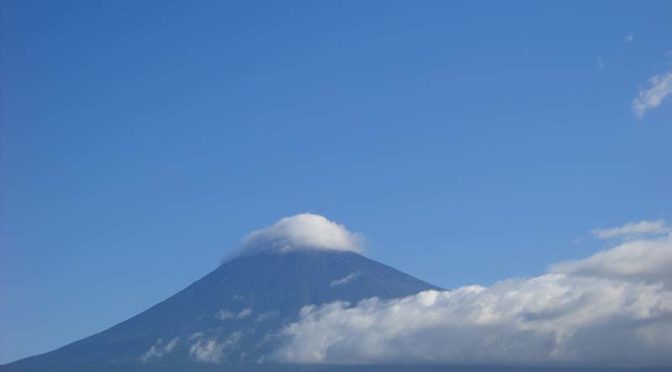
x: 305, y: 231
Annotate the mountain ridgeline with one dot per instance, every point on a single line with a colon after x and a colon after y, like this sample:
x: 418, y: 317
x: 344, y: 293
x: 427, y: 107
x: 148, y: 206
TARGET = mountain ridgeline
x: 231, y: 318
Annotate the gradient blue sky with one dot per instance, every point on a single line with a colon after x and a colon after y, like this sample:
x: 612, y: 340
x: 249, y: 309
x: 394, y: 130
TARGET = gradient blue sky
x: 469, y: 142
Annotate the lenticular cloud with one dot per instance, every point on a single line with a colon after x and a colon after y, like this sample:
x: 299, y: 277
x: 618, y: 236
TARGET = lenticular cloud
x: 614, y: 308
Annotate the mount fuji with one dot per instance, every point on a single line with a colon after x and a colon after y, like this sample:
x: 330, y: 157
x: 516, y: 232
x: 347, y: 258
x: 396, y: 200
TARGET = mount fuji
x: 231, y: 318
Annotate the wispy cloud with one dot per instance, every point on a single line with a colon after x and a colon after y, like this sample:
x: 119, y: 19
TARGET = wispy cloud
x: 226, y: 314
x: 631, y: 229
x: 660, y: 86
x: 630, y: 38
x: 599, y: 61
x: 614, y: 308
x: 159, y: 349
x: 265, y: 316
x: 211, y: 350
x: 346, y: 279
x: 244, y: 313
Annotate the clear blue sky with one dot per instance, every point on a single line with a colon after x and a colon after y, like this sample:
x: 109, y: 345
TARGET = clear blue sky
x: 469, y: 142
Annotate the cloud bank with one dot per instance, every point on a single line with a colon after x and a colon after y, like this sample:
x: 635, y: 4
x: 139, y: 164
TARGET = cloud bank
x: 303, y: 231
x: 660, y: 86
x: 634, y: 261
x: 614, y: 308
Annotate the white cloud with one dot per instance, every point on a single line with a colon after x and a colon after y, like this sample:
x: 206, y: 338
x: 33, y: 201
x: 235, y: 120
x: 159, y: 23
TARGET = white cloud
x: 660, y: 86
x: 226, y: 314
x: 244, y: 313
x: 159, y: 349
x: 265, y: 316
x: 207, y: 351
x: 614, y: 308
x: 647, y: 260
x: 631, y: 229
x: 629, y: 38
x: 303, y: 231
x: 210, y: 350
x: 345, y: 280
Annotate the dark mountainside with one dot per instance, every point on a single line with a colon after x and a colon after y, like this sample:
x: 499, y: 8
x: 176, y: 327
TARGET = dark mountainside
x: 246, y: 300
x: 243, y: 303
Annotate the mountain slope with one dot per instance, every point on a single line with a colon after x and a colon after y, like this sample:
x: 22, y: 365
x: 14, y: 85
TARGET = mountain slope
x: 230, y: 316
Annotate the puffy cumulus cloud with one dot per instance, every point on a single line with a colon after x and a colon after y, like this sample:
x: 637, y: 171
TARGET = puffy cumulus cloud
x: 632, y: 229
x: 303, y: 231
x: 614, y: 308
x: 159, y: 349
x: 211, y: 350
x: 660, y: 86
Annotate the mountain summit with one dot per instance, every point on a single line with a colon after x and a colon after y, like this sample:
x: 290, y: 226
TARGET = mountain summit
x: 233, y: 315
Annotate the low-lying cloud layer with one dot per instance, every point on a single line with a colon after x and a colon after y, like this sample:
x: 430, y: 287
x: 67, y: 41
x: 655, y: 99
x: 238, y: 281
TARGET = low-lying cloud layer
x: 614, y: 308
x: 303, y: 231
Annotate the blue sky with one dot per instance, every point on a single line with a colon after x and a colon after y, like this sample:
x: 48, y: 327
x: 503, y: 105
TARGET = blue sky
x: 468, y: 142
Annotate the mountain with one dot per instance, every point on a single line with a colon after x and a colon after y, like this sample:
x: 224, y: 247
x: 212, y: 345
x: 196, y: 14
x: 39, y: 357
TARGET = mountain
x: 231, y: 317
